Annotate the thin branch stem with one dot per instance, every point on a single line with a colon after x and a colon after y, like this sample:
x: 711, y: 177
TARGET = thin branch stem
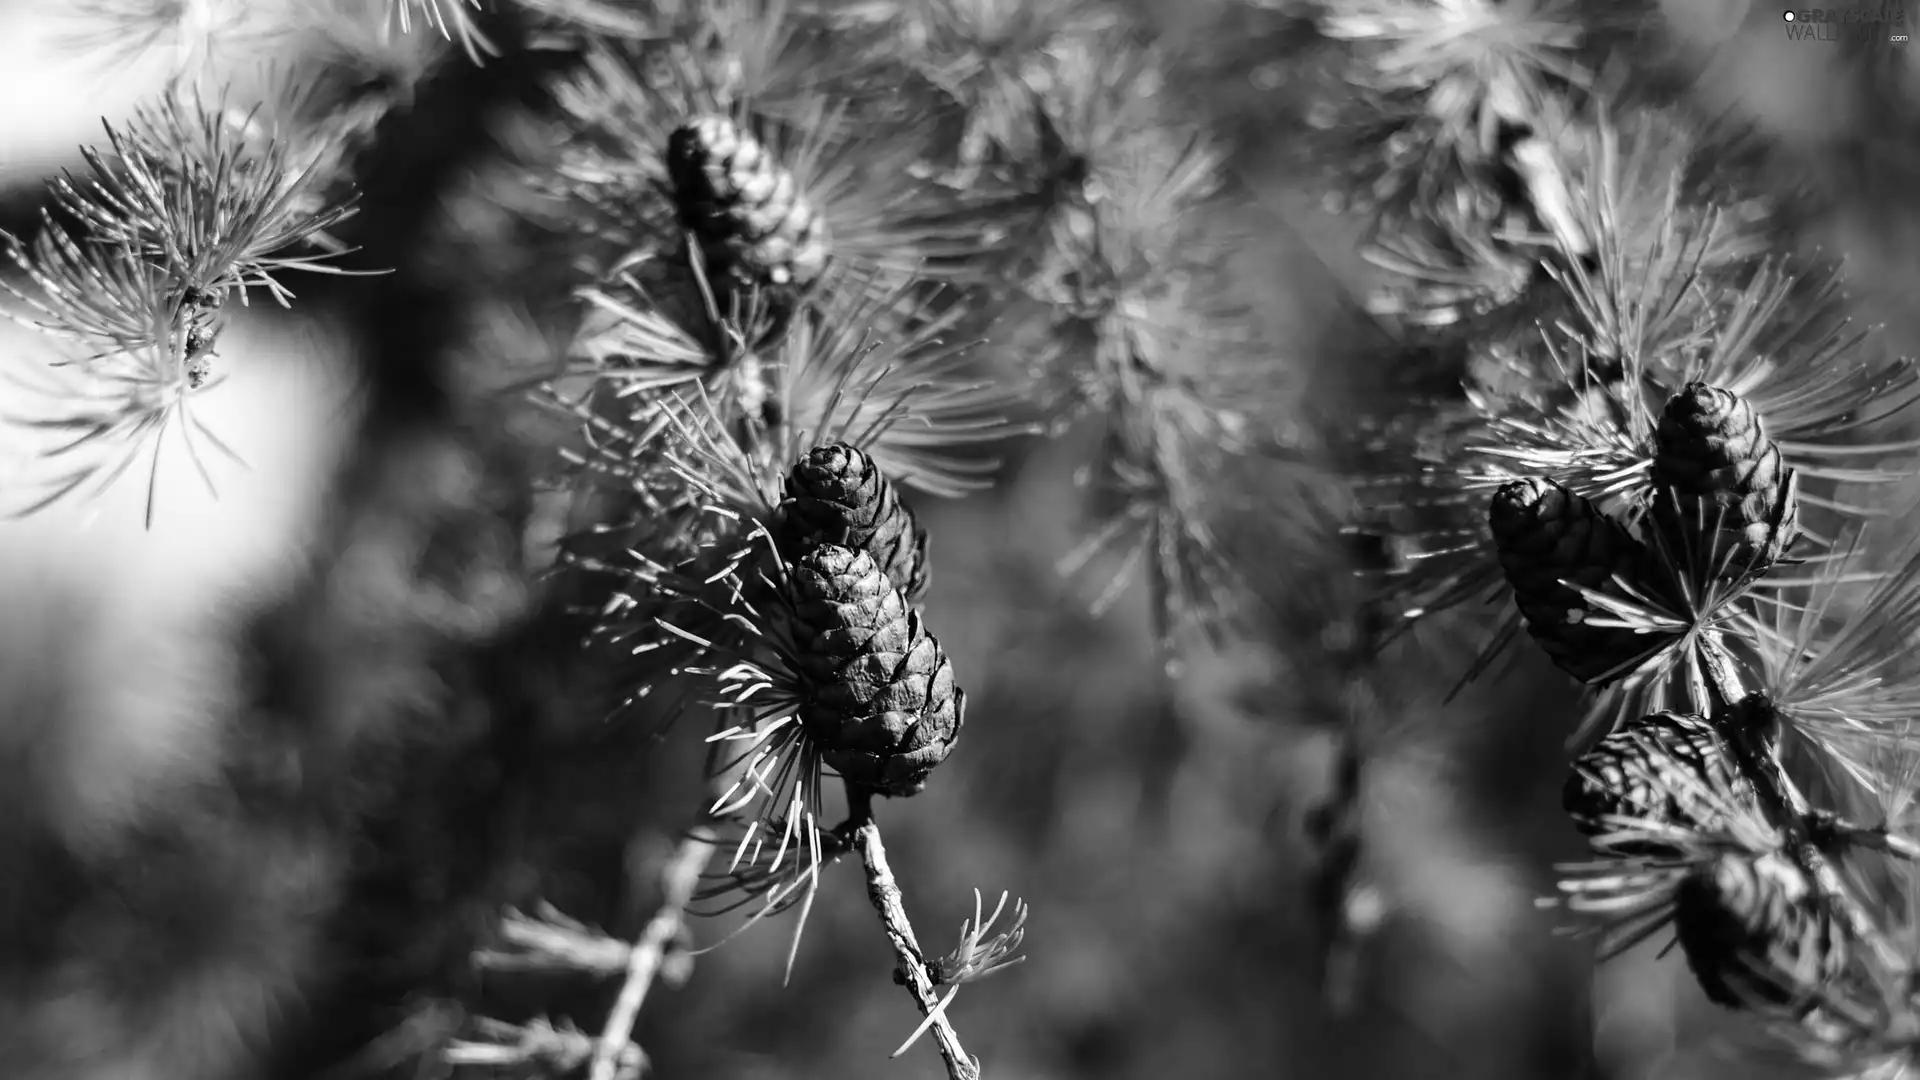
x: 1831, y: 832
x: 913, y: 972
x: 1890, y: 842
x: 679, y: 879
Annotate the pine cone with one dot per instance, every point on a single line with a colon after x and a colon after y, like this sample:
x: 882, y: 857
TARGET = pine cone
x: 1547, y: 535
x: 881, y: 700
x: 837, y: 495
x: 747, y: 209
x: 1667, y: 767
x: 1756, y: 934
x: 1713, y: 456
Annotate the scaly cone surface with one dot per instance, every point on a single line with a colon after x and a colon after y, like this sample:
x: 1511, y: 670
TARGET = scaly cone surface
x: 1715, y: 471
x: 1665, y: 769
x: 881, y: 702
x: 747, y: 209
x: 837, y: 495
x: 1756, y: 934
x: 1552, y: 542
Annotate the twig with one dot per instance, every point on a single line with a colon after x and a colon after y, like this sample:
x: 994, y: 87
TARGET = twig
x: 1334, y: 828
x: 551, y: 941
x: 538, y: 1043
x: 1882, y: 839
x: 976, y: 957
x: 913, y: 972
x: 679, y: 879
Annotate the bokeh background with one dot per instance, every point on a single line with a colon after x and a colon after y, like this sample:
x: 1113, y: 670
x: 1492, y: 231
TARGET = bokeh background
x: 1155, y: 826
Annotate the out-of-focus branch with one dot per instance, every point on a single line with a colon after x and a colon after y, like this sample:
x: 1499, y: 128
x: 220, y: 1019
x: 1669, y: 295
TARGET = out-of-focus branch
x: 914, y: 972
x: 538, y: 1044
x: 551, y: 941
x: 679, y: 879
x: 1347, y: 906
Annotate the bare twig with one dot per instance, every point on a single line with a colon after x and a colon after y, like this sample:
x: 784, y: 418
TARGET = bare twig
x: 1882, y: 839
x: 913, y: 972
x: 551, y: 941
x: 679, y: 879
x: 1334, y: 828
x: 538, y: 1043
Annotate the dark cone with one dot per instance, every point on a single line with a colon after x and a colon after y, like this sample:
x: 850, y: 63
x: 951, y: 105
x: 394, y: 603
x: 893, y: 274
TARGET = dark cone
x: 747, y: 209
x: 1713, y: 464
x: 1667, y: 768
x: 881, y: 700
x: 1756, y: 933
x: 836, y: 495
x: 1547, y: 535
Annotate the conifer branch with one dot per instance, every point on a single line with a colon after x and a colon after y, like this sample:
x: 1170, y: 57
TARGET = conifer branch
x: 679, y: 879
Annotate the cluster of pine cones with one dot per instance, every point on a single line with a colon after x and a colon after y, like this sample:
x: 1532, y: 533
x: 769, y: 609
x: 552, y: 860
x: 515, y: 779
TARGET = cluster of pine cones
x: 880, y: 700
x: 1724, y: 511
x: 1668, y: 791
x: 1751, y: 924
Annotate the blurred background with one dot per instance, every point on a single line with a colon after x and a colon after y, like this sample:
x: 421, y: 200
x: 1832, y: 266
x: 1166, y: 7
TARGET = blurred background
x: 1158, y: 828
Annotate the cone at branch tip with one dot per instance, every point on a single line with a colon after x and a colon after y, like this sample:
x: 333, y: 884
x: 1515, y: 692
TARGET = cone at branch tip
x: 1666, y: 769
x: 1717, y: 473
x: 881, y: 701
x: 1553, y: 542
x: 836, y: 494
x: 1757, y: 935
x: 748, y: 210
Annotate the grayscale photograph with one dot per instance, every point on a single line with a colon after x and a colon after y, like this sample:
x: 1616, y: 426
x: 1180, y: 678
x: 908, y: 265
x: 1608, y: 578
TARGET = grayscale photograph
x: 959, y: 540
